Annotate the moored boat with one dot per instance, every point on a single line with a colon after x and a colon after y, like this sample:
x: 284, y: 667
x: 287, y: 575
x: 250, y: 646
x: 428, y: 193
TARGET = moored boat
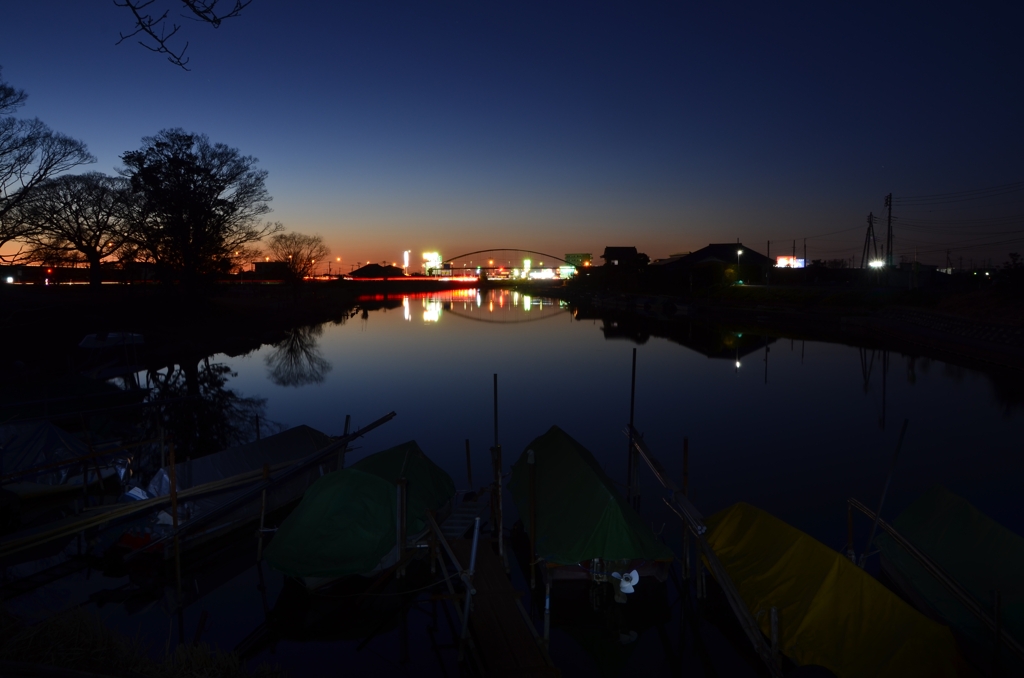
x: 347, y: 523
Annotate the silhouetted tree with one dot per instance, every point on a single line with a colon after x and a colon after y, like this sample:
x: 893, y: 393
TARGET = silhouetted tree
x: 155, y: 31
x: 297, y: 361
x: 194, y: 203
x: 299, y: 251
x: 30, y: 153
x: 78, y: 213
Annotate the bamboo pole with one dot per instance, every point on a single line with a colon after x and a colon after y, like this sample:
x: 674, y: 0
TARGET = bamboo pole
x: 885, y: 490
x: 686, y: 489
x: 470, y: 591
x: 944, y: 578
x: 688, y: 513
x: 295, y: 468
x: 400, y: 489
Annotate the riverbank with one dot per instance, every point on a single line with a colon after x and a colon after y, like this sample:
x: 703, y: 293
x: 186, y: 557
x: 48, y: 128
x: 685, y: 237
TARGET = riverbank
x: 979, y: 327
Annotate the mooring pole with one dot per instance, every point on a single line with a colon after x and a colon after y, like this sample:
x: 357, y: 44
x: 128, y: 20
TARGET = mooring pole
x: 532, y: 465
x: 263, y: 512
x: 885, y: 489
x: 344, y: 449
x: 631, y: 467
x: 499, y: 523
x: 174, y: 521
x: 686, y: 490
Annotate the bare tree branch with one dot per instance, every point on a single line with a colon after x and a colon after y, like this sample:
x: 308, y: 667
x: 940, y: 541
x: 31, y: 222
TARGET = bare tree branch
x: 153, y: 28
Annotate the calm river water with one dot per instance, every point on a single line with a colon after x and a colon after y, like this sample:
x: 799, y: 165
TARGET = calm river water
x: 795, y: 436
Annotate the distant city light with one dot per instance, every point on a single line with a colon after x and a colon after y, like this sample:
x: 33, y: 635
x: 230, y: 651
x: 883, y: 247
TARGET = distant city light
x: 877, y: 263
x: 10, y: 279
x: 789, y: 262
x: 737, y: 364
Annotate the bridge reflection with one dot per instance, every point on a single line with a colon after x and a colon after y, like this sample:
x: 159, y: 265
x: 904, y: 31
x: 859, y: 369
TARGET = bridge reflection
x: 499, y: 306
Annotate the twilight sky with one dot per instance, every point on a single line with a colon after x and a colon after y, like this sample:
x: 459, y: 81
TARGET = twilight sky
x: 565, y: 127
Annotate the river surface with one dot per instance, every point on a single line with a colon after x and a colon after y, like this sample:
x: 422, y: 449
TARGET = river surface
x: 792, y: 427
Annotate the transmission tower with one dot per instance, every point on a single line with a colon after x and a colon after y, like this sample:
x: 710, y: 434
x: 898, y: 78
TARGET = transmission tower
x: 870, y: 244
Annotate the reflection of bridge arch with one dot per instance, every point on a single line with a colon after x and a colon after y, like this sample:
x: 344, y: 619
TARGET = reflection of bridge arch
x: 506, y: 249
x: 503, y: 307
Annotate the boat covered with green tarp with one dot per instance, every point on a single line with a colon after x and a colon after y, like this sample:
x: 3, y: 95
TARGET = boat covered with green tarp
x: 978, y: 553
x: 580, y: 515
x: 831, y: 613
x: 346, y: 523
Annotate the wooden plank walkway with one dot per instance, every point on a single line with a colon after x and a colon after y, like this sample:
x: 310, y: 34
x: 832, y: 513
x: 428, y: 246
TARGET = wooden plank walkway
x: 505, y: 640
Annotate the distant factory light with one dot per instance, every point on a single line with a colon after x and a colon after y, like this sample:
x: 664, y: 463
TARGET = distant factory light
x: 789, y: 262
x: 542, y: 274
x: 566, y: 271
x: 877, y: 263
x: 10, y: 279
x: 737, y: 364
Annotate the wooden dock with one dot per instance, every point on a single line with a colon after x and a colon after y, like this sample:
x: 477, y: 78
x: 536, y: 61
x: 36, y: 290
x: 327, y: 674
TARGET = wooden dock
x: 504, y: 638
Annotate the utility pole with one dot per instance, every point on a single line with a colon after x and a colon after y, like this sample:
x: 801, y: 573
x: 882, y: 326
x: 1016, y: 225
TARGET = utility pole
x: 794, y: 253
x: 805, y: 251
x: 888, y: 233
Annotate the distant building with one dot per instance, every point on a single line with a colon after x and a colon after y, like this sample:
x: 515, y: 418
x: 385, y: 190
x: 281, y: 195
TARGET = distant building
x: 377, y: 271
x: 579, y: 259
x: 713, y: 265
x: 624, y: 256
x: 721, y: 253
x: 271, y: 270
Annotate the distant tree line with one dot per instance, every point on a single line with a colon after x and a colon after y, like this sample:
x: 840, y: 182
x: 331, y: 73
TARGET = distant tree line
x: 189, y: 208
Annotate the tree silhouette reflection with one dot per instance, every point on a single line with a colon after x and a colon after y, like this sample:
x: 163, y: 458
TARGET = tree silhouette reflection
x: 296, y: 360
x: 198, y: 412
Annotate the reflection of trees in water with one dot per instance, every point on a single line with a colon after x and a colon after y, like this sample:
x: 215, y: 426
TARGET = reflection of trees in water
x: 199, y: 413
x: 296, y: 360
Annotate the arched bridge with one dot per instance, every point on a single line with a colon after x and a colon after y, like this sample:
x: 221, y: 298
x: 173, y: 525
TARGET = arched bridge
x: 509, y: 262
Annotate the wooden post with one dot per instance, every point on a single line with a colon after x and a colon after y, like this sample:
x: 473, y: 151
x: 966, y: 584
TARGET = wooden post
x: 547, y: 612
x: 849, y: 534
x: 532, y: 465
x: 499, y: 523
x: 630, y: 467
x: 344, y: 449
x: 400, y: 527
x: 174, y: 520
x: 469, y: 466
x: 776, y: 657
x: 996, y: 639
x: 686, y: 490
x: 263, y: 512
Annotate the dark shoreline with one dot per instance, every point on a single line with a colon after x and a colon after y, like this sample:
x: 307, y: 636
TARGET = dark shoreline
x: 41, y: 326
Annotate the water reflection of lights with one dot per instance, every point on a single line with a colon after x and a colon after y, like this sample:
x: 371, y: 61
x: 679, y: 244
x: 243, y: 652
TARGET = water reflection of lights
x: 432, y: 310
x: 405, y: 303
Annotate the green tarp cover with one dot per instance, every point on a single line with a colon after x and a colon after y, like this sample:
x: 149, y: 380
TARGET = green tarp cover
x: 345, y: 523
x: 979, y: 553
x: 580, y: 515
x: 831, y: 613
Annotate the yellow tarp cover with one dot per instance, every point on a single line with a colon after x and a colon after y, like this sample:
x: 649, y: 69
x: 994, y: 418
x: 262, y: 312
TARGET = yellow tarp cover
x: 831, y: 613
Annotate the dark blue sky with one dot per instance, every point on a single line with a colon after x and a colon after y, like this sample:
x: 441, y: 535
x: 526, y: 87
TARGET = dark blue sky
x: 568, y: 127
